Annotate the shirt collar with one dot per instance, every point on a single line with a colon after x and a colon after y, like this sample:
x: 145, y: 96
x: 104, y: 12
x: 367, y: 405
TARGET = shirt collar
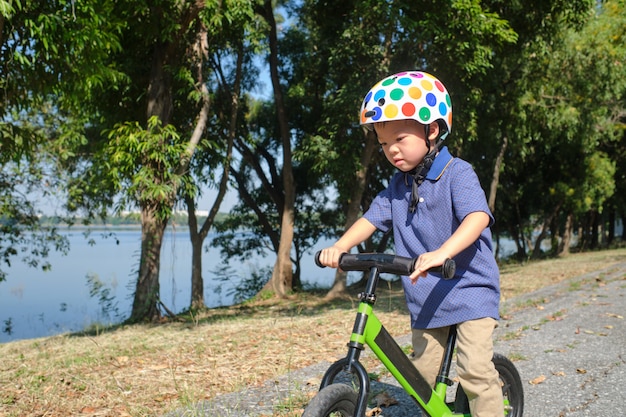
x: 441, y: 162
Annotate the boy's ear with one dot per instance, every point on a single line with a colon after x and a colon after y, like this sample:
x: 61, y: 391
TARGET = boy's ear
x: 433, y: 131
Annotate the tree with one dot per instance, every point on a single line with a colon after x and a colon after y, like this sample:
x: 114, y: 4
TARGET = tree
x: 52, y: 54
x: 153, y: 123
x: 339, y: 52
x: 282, y: 275
x: 266, y: 176
x: 235, y: 41
x: 133, y: 105
x: 353, y: 45
x: 558, y: 131
x: 586, y: 66
x: 323, y: 61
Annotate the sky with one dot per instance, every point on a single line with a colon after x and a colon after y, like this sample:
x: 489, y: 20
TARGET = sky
x: 206, y: 202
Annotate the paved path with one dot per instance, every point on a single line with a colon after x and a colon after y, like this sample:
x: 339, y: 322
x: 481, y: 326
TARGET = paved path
x: 569, y: 345
x: 573, y: 348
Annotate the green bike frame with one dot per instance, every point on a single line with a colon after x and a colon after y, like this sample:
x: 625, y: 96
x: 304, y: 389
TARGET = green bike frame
x: 368, y: 330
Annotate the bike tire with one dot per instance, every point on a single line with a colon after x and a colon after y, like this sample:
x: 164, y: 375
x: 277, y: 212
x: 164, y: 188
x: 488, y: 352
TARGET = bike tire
x: 512, y: 389
x: 333, y: 400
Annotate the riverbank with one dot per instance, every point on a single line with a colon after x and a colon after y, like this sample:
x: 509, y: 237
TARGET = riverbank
x: 150, y: 370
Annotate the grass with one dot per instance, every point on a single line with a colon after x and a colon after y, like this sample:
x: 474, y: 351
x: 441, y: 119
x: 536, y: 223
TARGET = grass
x: 148, y: 370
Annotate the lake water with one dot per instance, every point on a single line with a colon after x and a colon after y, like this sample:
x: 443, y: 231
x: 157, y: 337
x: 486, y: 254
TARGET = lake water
x: 34, y: 303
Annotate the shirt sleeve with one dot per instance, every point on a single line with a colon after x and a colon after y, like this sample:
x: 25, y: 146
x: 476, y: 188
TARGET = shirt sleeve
x: 467, y: 194
x: 379, y: 213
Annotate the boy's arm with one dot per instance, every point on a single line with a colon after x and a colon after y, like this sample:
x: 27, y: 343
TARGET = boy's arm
x: 468, y: 232
x: 357, y: 233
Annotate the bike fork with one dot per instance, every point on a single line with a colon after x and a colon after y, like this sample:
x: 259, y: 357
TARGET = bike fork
x: 351, y: 362
x: 351, y: 365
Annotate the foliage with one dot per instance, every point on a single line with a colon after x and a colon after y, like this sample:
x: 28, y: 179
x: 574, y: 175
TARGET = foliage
x: 51, y: 58
x: 248, y: 285
x: 55, y: 49
x: 573, y: 119
x: 25, y: 181
x: 357, y: 39
x: 152, y: 177
x: 100, y: 100
x: 22, y: 236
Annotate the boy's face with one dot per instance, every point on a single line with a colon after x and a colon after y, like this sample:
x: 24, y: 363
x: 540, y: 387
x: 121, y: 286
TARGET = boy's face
x: 403, y: 142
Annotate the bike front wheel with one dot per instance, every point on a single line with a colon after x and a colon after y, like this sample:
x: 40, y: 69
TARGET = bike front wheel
x: 512, y: 389
x: 332, y: 400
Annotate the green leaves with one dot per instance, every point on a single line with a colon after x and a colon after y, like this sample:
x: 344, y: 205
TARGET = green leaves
x: 144, y: 163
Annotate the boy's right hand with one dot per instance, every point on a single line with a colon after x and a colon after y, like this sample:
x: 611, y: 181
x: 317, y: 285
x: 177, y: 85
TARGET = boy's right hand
x: 330, y: 256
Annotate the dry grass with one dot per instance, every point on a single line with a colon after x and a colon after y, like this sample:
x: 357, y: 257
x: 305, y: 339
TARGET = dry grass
x: 517, y: 279
x: 149, y: 370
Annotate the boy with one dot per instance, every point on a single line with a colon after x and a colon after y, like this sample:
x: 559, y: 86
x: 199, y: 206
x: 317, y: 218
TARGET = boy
x: 437, y: 210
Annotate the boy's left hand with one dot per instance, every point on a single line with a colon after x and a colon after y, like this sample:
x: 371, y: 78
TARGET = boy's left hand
x: 425, y: 262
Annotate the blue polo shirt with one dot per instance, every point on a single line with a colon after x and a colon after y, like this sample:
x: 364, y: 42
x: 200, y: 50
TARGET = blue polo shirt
x: 450, y: 192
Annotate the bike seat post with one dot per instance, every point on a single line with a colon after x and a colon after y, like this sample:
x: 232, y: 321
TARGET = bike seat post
x: 369, y: 296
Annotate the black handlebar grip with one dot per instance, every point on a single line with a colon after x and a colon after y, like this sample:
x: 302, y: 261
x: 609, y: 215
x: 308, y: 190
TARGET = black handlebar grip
x: 317, y: 259
x: 448, y: 269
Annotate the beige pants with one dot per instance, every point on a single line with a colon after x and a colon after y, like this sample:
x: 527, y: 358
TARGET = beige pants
x: 476, y: 372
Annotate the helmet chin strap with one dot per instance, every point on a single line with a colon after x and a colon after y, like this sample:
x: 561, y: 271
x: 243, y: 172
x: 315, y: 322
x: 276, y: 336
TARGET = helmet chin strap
x: 419, y: 173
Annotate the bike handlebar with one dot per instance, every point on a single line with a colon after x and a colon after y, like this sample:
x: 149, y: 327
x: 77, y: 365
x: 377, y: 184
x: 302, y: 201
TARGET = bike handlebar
x: 387, y: 263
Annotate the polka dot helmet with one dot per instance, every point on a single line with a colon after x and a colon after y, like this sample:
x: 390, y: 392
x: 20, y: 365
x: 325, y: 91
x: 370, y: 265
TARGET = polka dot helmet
x: 412, y: 95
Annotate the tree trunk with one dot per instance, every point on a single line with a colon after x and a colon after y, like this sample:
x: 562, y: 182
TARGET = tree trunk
x: 517, y: 233
x: 546, y: 223
x: 495, y: 179
x: 354, y: 208
x: 611, y: 227
x: 197, y: 281
x: 147, y: 292
x: 197, y: 239
x: 595, y: 228
x: 159, y: 90
x: 154, y: 210
x: 282, y: 276
x: 198, y: 236
x: 354, y: 205
x: 145, y: 303
x: 564, y: 247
